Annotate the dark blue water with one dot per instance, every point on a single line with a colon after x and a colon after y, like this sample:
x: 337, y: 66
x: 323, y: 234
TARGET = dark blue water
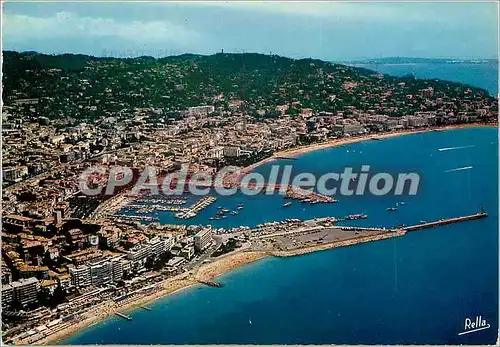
x: 478, y: 75
x: 415, y: 289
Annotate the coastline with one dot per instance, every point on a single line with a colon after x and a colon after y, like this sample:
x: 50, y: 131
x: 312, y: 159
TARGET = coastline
x: 228, y: 262
x: 296, y: 151
x: 206, y: 272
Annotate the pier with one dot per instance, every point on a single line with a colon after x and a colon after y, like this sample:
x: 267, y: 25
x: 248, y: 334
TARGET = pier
x: 210, y: 283
x: 145, y: 308
x: 193, y: 210
x: 286, y: 158
x: 344, y: 228
x: 445, y: 222
x: 293, y: 236
x: 124, y: 316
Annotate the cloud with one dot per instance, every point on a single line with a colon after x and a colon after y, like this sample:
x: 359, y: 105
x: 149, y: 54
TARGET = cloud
x: 333, y: 10
x: 330, y: 30
x: 66, y: 24
x: 391, y: 11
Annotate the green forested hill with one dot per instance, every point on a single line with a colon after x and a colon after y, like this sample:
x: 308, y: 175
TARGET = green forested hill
x: 87, y: 87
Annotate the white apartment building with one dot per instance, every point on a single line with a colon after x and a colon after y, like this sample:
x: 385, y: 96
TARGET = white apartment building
x: 232, y: 151
x: 203, y: 239
x: 216, y: 153
x: 25, y: 291
x: 201, y: 110
x: 101, y: 273
x: 154, y: 247
x: 80, y: 276
x: 14, y: 174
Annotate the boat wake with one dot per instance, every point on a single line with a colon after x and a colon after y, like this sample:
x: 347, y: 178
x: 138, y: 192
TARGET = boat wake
x: 455, y: 148
x: 460, y: 169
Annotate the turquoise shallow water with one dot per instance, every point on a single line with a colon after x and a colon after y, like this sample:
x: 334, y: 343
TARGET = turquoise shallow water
x: 414, y: 289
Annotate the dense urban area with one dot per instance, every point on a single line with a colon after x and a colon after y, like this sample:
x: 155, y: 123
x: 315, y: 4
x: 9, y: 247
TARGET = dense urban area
x: 64, y: 252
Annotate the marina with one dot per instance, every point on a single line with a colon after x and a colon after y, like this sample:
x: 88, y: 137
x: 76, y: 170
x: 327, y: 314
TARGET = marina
x: 193, y: 210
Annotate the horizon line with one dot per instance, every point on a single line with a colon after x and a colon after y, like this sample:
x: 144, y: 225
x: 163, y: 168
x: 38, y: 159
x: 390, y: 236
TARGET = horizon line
x: 177, y: 54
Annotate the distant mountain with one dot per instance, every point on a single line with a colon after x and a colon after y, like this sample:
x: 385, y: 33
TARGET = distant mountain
x: 406, y: 60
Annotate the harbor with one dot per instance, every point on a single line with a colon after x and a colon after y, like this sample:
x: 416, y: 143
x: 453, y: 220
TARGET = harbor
x: 193, y: 210
x: 295, y: 235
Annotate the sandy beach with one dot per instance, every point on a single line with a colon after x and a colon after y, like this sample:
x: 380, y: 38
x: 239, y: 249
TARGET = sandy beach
x: 170, y: 286
x: 296, y: 151
x: 206, y: 272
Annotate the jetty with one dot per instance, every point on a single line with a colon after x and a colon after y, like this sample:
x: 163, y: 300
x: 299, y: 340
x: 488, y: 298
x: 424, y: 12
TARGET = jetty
x: 193, y: 210
x: 145, y: 308
x: 124, y: 316
x: 211, y: 283
x: 293, y: 236
x: 445, y: 222
x: 286, y: 158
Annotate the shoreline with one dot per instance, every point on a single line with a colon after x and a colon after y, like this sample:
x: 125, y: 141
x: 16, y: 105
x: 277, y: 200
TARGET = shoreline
x: 296, y: 151
x: 224, y: 264
x: 229, y: 262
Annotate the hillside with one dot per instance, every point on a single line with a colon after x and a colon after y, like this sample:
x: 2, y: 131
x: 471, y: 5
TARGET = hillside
x: 86, y: 87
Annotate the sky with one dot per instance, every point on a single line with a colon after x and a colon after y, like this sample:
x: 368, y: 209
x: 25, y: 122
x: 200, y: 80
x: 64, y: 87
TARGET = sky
x: 334, y: 31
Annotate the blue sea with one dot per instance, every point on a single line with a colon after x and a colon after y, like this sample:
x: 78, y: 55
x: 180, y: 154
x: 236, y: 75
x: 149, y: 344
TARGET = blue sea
x: 416, y: 289
x: 483, y: 75
x: 419, y: 288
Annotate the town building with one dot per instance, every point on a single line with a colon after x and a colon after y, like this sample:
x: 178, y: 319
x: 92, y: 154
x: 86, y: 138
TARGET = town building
x: 14, y: 174
x: 26, y: 290
x: 232, y: 151
x: 203, y: 239
x: 7, y: 295
x: 201, y: 110
x: 101, y: 273
x: 80, y: 276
